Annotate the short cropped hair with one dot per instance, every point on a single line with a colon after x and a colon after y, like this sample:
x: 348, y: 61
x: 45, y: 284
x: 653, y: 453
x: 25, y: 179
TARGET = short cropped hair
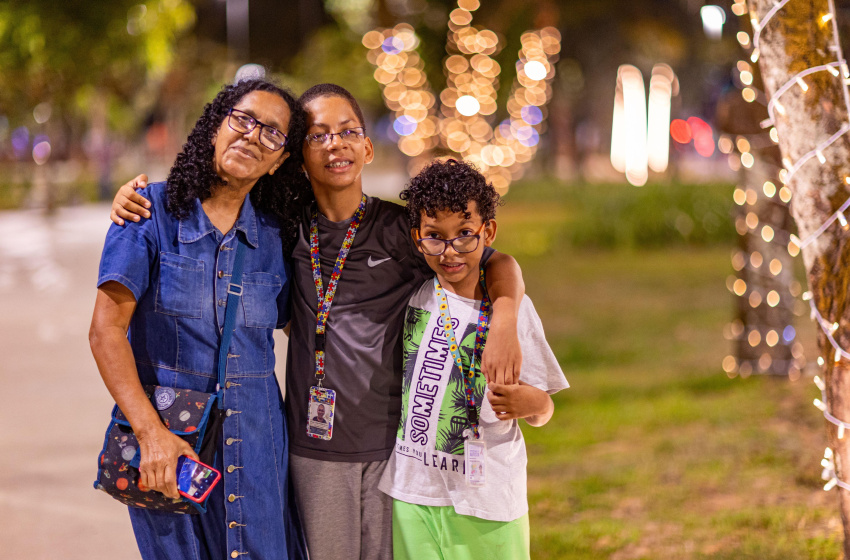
x: 449, y: 185
x: 333, y: 90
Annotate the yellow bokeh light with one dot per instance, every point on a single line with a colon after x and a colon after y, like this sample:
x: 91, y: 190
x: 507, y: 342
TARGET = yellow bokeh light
x: 754, y: 338
x: 373, y: 39
x: 767, y: 233
x: 773, y: 298
x: 769, y: 189
x: 457, y: 64
x: 460, y: 17
x: 740, y: 287
x: 752, y: 220
x: 756, y: 259
x: 411, y: 146
x: 739, y: 197
x: 382, y: 76
x: 793, y: 249
x: 775, y: 267
x: 738, y: 260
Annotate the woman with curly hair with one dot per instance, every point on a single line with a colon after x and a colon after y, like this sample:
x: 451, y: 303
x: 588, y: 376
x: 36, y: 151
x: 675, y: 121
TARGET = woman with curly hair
x: 235, y: 188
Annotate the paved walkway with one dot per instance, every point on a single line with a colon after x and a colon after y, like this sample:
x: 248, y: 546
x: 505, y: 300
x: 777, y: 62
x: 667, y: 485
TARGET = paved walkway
x: 54, y: 407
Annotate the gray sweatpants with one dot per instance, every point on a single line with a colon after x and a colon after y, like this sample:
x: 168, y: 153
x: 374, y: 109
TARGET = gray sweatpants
x: 343, y: 512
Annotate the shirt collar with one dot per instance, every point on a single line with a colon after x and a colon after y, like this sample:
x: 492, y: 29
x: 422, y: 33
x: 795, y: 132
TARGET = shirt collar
x: 197, y: 225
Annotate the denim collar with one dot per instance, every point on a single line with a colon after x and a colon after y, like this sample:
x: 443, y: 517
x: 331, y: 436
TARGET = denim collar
x: 197, y: 225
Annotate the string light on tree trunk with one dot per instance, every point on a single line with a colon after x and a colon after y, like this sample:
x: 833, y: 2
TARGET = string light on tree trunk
x: 776, y: 111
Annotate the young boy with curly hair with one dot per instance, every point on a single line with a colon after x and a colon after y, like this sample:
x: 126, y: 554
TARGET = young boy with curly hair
x: 457, y: 474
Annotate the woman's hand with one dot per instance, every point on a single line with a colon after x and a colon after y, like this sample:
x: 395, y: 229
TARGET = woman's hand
x: 160, y: 450
x: 520, y: 401
x: 128, y: 204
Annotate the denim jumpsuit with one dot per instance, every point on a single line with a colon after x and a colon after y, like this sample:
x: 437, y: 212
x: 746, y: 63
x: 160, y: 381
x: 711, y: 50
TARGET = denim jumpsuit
x: 179, y: 271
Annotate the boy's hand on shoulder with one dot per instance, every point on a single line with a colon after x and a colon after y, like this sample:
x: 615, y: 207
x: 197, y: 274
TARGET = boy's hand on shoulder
x: 128, y: 204
x: 502, y: 357
x: 520, y: 401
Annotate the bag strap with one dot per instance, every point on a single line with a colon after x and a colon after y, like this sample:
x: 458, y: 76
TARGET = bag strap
x: 234, y: 292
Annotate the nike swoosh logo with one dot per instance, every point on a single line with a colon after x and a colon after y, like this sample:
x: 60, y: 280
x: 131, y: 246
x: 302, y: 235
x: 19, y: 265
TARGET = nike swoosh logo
x: 372, y: 262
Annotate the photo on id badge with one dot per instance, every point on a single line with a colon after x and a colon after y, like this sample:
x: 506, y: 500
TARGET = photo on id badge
x: 320, y: 413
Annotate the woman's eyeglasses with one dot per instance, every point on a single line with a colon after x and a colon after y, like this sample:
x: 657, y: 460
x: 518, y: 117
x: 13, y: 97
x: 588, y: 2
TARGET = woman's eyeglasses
x: 464, y: 244
x: 243, y: 123
x: 349, y: 136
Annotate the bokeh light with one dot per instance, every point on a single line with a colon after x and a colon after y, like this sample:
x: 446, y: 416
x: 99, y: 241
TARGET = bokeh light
x: 459, y: 117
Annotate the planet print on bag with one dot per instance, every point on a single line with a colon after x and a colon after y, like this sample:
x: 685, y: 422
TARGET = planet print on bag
x: 128, y: 453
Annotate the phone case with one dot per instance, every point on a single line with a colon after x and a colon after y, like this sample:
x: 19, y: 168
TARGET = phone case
x: 187, y: 479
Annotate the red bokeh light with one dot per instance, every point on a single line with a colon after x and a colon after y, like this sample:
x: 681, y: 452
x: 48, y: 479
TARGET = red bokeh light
x: 703, y: 136
x: 680, y: 131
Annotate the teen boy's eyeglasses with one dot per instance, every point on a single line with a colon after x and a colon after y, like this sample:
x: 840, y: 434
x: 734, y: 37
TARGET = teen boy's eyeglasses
x: 242, y: 122
x: 464, y: 244
x: 349, y: 136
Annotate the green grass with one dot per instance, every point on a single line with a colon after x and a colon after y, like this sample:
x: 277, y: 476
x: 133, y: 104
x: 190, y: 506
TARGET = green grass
x: 654, y: 452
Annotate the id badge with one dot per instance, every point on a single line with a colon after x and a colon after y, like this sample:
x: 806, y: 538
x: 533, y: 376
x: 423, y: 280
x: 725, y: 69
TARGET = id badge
x: 474, y: 461
x: 320, y: 413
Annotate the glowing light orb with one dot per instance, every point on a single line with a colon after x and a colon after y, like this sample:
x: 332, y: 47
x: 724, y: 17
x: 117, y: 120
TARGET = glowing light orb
x: 535, y: 70
x: 404, y: 126
x: 392, y: 45
x: 789, y: 333
x: 532, y: 114
x: 41, y: 150
x: 527, y: 136
x: 680, y: 131
x: 467, y: 105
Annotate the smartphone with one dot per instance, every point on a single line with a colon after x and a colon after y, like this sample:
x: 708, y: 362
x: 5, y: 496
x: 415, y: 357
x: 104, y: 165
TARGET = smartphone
x: 195, y: 480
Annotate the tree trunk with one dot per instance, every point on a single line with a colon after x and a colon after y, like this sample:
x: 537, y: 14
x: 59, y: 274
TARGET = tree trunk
x: 798, y: 37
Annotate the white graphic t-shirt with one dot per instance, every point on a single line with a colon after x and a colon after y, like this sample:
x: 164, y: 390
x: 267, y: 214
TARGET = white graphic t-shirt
x: 427, y: 466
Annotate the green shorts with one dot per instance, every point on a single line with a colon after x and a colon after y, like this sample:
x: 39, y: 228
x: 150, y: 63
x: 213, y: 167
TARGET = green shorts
x: 438, y: 532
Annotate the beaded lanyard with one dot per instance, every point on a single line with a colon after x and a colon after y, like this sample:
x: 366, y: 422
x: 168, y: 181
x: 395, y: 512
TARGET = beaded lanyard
x: 480, y: 339
x: 326, y: 299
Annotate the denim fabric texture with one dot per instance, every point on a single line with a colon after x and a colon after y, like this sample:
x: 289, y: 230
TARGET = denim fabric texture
x: 179, y: 272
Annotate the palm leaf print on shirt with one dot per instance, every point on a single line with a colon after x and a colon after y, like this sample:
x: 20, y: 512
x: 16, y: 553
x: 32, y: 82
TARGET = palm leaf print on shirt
x: 453, y: 418
x: 414, y: 327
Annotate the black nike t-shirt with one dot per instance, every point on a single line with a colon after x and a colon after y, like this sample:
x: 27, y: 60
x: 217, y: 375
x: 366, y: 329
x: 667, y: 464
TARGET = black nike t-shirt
x: 362, y: 346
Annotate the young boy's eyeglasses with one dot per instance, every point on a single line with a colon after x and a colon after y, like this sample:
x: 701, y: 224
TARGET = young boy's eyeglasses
x: 243, y: 123
x: 435, y: 247
x: 349, y: 136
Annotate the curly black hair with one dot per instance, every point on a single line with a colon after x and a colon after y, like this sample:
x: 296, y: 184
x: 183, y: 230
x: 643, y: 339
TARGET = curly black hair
x: 281, y: 195
x: 333, y: 90
x: 449, y: 185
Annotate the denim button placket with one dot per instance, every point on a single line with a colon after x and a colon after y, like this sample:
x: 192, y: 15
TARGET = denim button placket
x: 252, y: 396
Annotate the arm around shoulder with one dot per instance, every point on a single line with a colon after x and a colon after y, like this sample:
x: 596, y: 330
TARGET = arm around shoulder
x: 502, y: 358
